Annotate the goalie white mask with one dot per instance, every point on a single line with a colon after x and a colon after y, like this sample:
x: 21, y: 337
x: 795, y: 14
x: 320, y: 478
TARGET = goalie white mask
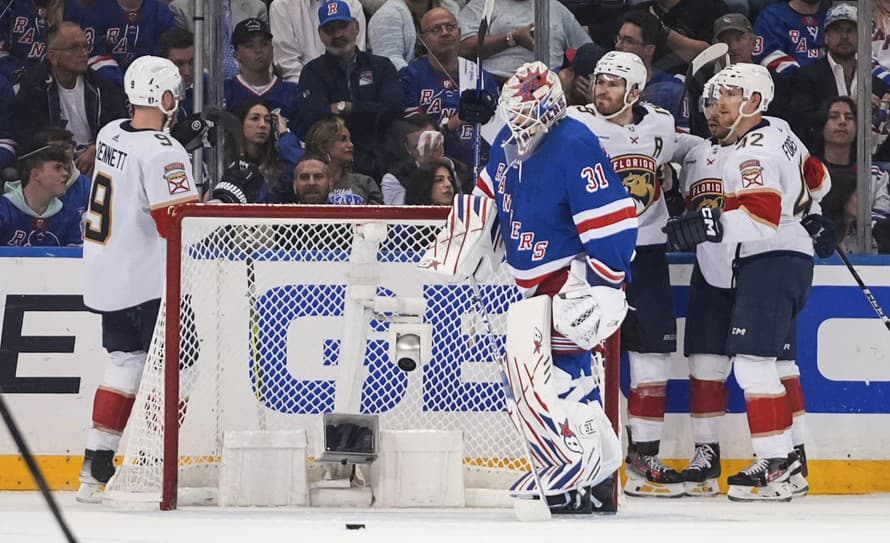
x: 744, y: 77
x: 626, y: 66
x: 147, y: 80
x: 531, y: 102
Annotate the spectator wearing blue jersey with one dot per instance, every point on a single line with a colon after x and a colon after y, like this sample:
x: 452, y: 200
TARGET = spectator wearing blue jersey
x: 23, y: 31
x: 790, y: 35
x: 128, y: 29
x: 393, y: 31
x: 640, y: 35
x: 361, y: 88
x: 63, y: 91
x: 253, y: 50
x: 433, y: 83
x: 31, y: 211
x: 7, y: 136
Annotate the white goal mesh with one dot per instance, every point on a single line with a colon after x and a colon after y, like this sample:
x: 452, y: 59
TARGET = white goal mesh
x: 262, y: 295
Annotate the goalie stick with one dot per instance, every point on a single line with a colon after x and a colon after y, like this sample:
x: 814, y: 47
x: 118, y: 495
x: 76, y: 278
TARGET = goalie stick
x: 705, y: 58
x: 525, y: 510
x: 480, y: 39
x: 865, y: 290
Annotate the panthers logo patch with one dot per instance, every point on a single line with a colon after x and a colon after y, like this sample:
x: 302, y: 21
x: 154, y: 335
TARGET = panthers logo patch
x: 637, y: 173
x: 706, y: 193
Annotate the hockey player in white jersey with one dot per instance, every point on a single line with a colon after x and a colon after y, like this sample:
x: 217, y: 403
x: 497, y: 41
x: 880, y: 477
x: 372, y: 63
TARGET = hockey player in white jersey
x: 759, y: 235
x: 140, y: 172
x: 568, y: 228
x: 640, y: 138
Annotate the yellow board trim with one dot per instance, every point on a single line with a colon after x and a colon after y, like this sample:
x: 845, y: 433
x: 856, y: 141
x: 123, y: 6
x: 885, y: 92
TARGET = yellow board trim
x: 826, y: 476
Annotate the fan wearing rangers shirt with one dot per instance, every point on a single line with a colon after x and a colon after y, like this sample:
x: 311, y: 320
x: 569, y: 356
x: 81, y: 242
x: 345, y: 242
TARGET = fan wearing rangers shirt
x: 140, y: 172
x: 790, y: 35
x: 128, y: 29
x: 639, y: 138
x: 762, y: 246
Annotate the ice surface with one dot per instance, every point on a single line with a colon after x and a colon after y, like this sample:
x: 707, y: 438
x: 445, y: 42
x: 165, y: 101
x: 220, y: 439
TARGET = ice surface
x: 839, y: 519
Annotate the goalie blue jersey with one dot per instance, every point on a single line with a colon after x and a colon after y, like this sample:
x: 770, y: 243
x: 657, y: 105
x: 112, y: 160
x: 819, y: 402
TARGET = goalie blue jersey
x: 23, y: 29
x: 563, y: 202
x: 128, y: 35
x: 788, y: 40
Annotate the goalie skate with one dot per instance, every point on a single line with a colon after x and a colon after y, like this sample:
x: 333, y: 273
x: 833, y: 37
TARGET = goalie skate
x: 764, y: 480
x: 700, y: 478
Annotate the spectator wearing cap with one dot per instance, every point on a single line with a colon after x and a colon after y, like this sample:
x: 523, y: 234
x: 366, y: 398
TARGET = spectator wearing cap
x: 63, y: 91
x: 253, y: 51
x: 295, y: 26
x: 510, y: 42
x: 432, y: 83
x: 830, y: 76
x: 791, y: 35
x: 393, y: 31
x: 362, y: 88
x: 640, y: 34
x: 736, y: 31
x: 576, y: 71
x: 31, y: 210
x: 233, y: 12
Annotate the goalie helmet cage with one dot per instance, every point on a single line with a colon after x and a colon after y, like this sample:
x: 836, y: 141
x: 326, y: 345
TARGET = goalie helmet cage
x: 255, y: 311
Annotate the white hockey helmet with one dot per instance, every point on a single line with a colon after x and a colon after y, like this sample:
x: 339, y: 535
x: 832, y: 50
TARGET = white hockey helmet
x: 750, y: 79
x: 147, y: 80
x: 532, y: 101
x: 628, y: 67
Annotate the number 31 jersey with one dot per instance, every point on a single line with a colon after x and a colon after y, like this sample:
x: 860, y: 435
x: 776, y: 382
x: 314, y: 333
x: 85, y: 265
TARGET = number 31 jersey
x: 137, y: 172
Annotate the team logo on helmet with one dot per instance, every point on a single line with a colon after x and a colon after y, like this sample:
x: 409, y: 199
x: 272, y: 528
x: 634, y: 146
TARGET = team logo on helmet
x: 637, y: 173
x: 707, y: 193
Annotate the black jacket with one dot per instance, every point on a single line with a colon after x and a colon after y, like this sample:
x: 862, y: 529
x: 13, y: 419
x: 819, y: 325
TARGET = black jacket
x: 37, y: 103
x: 375, y: 91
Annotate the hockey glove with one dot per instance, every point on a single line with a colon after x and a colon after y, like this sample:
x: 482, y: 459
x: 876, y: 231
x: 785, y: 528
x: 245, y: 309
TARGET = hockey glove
x: 587, y: 315
x: 824, y: 234
x: 475, y: 109
x: 240, y: 184
x: 690, y: 229
x: 190, y: 132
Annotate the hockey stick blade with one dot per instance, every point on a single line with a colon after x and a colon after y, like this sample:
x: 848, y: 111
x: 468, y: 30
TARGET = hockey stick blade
x: 711, y: 54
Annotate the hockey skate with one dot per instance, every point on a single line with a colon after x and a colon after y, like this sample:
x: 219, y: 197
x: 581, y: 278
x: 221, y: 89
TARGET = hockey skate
x: 764, y: 480
x: 97, y: 469
x: 700, y: 478
x: 797, y: 464
x: 648, y: 476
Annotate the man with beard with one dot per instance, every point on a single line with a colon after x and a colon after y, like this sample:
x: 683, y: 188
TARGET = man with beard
x: 361, y: 88
x: 433, y: 83
x: 832, y: 75
x: 790, y: 34
x: 640, y: 139
x: 312, y: 180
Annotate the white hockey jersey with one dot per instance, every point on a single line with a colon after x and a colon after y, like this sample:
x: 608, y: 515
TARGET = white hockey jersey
x: 136, y: 172
x: 701, y: 183
x: 636, y: 151
x: 766, y: 191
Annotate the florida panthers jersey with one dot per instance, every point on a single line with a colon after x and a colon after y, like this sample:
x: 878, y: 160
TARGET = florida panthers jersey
x: 136, y: 173
x: 128, y: 34
x: 637, y: 150
x: 563, y: 202
x: 766, y: 192
x: 701, y: 182
x: 788, y: 40
x: 23, y: 29
x: 428, y: 91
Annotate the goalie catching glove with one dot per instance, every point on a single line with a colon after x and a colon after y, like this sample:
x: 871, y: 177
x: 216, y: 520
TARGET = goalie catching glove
x: 588, y: 314
x: 240, y: 184
x: 693, y: 227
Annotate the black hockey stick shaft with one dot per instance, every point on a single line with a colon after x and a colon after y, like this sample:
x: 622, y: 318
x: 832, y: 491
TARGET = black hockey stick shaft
x: 865, y: 290
x: 34, y: 469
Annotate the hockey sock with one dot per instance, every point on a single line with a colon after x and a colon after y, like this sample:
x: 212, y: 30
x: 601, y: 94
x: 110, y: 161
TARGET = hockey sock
x: 707, y: 395
x: 111, y: 409
x: 648, y: 394
x: 769, y: 414
x: 790, y: 375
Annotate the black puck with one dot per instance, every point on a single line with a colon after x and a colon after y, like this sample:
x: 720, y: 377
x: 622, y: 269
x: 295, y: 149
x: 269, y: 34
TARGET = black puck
x: 407, y: 364
x: 355, y: 526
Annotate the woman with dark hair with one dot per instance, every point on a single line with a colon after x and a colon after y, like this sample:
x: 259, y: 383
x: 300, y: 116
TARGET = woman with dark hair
x: 431, y: 184
x: 267, y: 146
x: 331, y: 139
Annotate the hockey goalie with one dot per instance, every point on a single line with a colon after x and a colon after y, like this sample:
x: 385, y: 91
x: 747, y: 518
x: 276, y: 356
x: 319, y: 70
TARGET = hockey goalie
x: 550, y: 198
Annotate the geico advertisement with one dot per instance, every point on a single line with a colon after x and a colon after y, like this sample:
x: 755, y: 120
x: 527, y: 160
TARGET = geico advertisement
x: 51, y: 358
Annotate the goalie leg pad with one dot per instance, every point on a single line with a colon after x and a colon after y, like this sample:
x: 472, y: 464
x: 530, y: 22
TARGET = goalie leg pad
x: 565, y: 436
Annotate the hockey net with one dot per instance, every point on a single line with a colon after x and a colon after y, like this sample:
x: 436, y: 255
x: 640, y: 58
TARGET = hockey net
x: 253, y: 320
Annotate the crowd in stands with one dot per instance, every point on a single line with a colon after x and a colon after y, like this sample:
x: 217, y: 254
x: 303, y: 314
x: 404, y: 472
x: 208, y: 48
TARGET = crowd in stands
x: 358, y: 101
